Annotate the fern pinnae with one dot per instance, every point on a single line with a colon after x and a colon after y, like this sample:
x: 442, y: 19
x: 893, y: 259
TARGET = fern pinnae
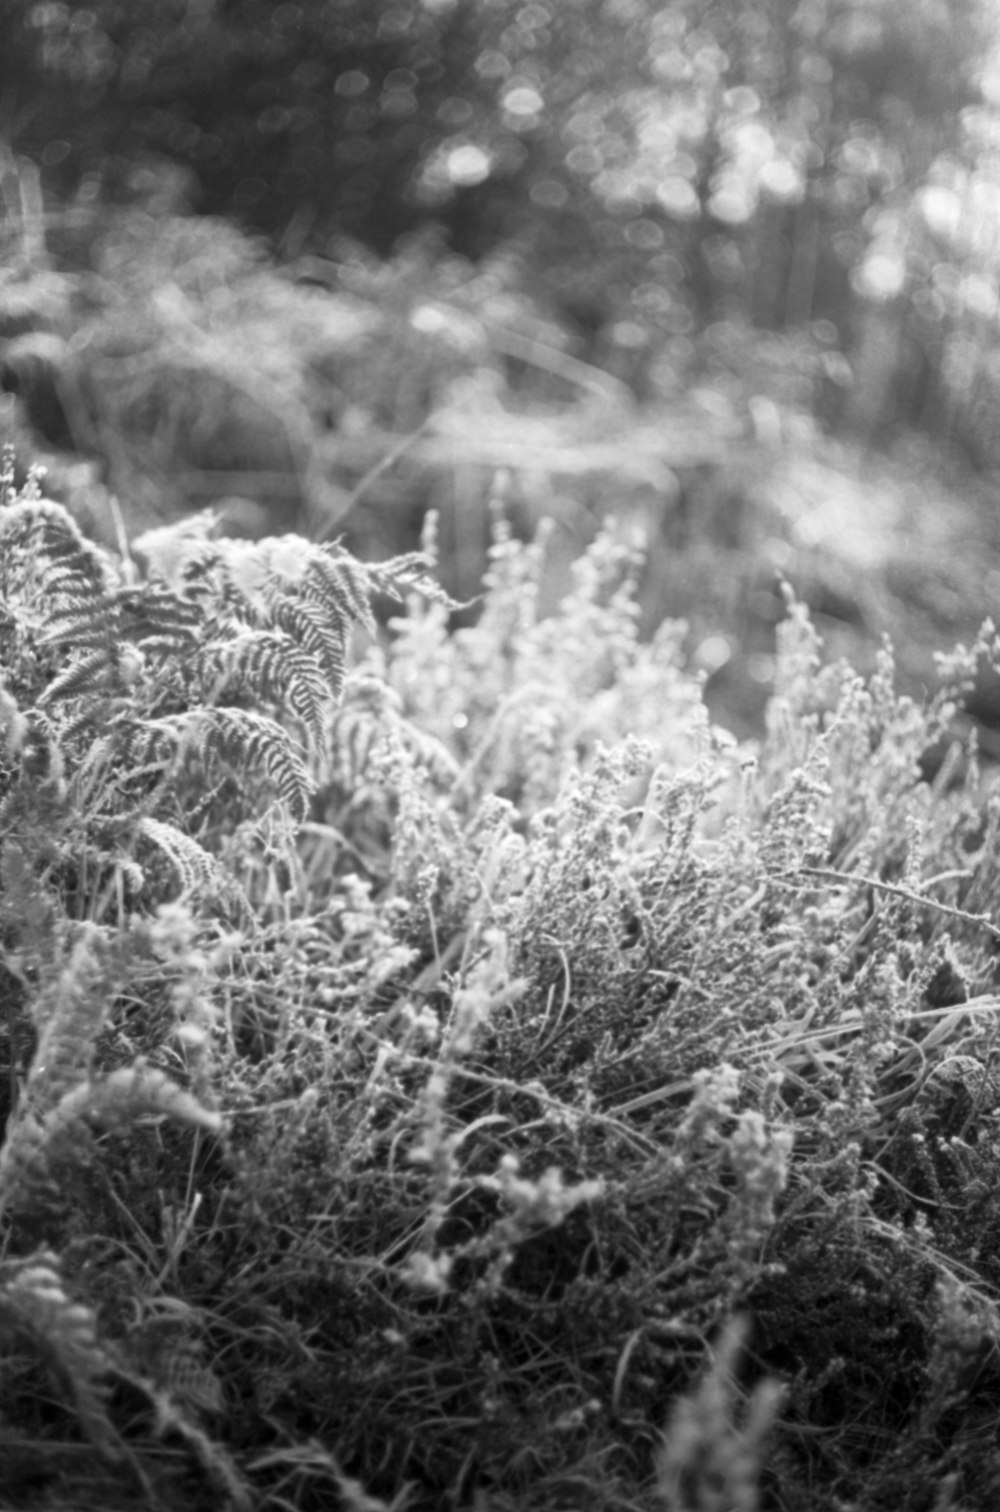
x: 90, y: 672
x: 81, y: 623
x: 268, y: 744
x: 158, y: 618
x: 92, y: 779
x: 325, y: 637
x: 198, y: 871
x: 243, y: 737
x: 412, y: 572
x: 306, y: 689
x: 271, y: 666
x: 341, y: 585
x: 51, y: 529
x: 42, y: 549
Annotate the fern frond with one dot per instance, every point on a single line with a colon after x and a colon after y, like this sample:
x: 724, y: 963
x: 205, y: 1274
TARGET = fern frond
x: 271, y: 667
x: 36, y: 1310
x: 261, y: 741
x: 122, y: 765
x: 197, y: 870
x: 298, y: 683
x: 428, y: 752
x: 80, y: 625
x: 341, y: 585
x: 244, y: 738
x: 192, y: 1383
x: 355, y: 734
x: 371, y: 714
x: 323, y: 635
x: 89, y: 673
x: 92, y: 779
x: 79, y: 722
x: 68, y: 581
x: 126, y: 763
x: 159, y: 620
x: 411, y: 572
x: 67, y: 560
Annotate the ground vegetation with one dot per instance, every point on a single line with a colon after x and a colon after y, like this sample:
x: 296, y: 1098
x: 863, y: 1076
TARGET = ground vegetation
x: 498, y: 707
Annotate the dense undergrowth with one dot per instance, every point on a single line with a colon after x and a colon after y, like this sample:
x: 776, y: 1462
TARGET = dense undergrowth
x: 444, y: 1070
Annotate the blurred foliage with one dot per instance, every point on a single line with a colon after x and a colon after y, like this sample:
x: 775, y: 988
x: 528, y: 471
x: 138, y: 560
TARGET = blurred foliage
x: 156, y: 364
x: 667, y: 175
x: 287, y: 115
x: 326, y: 266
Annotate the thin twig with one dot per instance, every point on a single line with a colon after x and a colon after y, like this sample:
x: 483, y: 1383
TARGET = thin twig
x: 850, y: 879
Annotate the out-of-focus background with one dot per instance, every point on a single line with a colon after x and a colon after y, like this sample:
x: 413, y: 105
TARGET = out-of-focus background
x: 725, y: 270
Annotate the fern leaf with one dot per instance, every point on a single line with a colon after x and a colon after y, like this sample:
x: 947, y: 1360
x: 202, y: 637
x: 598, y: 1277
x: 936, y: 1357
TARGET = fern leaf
x: 80, y: 722
x: 342, y: 585
x: 193, y: 1385
x: 143, y: 745
x: 245, y: 738
x: 124, y: 766
x: 410, y: 573
x: 41, y: 544
x: 91, y: 781
x: 81, y: 623
x: 324, y: 636
x: 88, y: 673
x: 159, y: 620
x: 197, y: 870
x: 57, y: 543
x: 279, y: 760
x: 268, y: 746
x: 301, y: 686
x: 275, y: 670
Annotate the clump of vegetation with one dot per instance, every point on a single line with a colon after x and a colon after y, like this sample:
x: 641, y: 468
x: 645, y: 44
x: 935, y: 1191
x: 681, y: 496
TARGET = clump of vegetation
x: 444, y: 1069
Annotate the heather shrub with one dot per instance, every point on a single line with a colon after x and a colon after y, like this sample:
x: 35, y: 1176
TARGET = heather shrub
x: 447, y: 1070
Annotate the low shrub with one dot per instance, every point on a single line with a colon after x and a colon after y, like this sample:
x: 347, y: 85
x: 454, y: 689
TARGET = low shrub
x: 445, y: 1070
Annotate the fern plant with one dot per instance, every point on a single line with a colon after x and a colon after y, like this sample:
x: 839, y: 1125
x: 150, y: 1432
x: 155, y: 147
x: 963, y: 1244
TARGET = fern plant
x: 143, y: 720
x: 223, y: 665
